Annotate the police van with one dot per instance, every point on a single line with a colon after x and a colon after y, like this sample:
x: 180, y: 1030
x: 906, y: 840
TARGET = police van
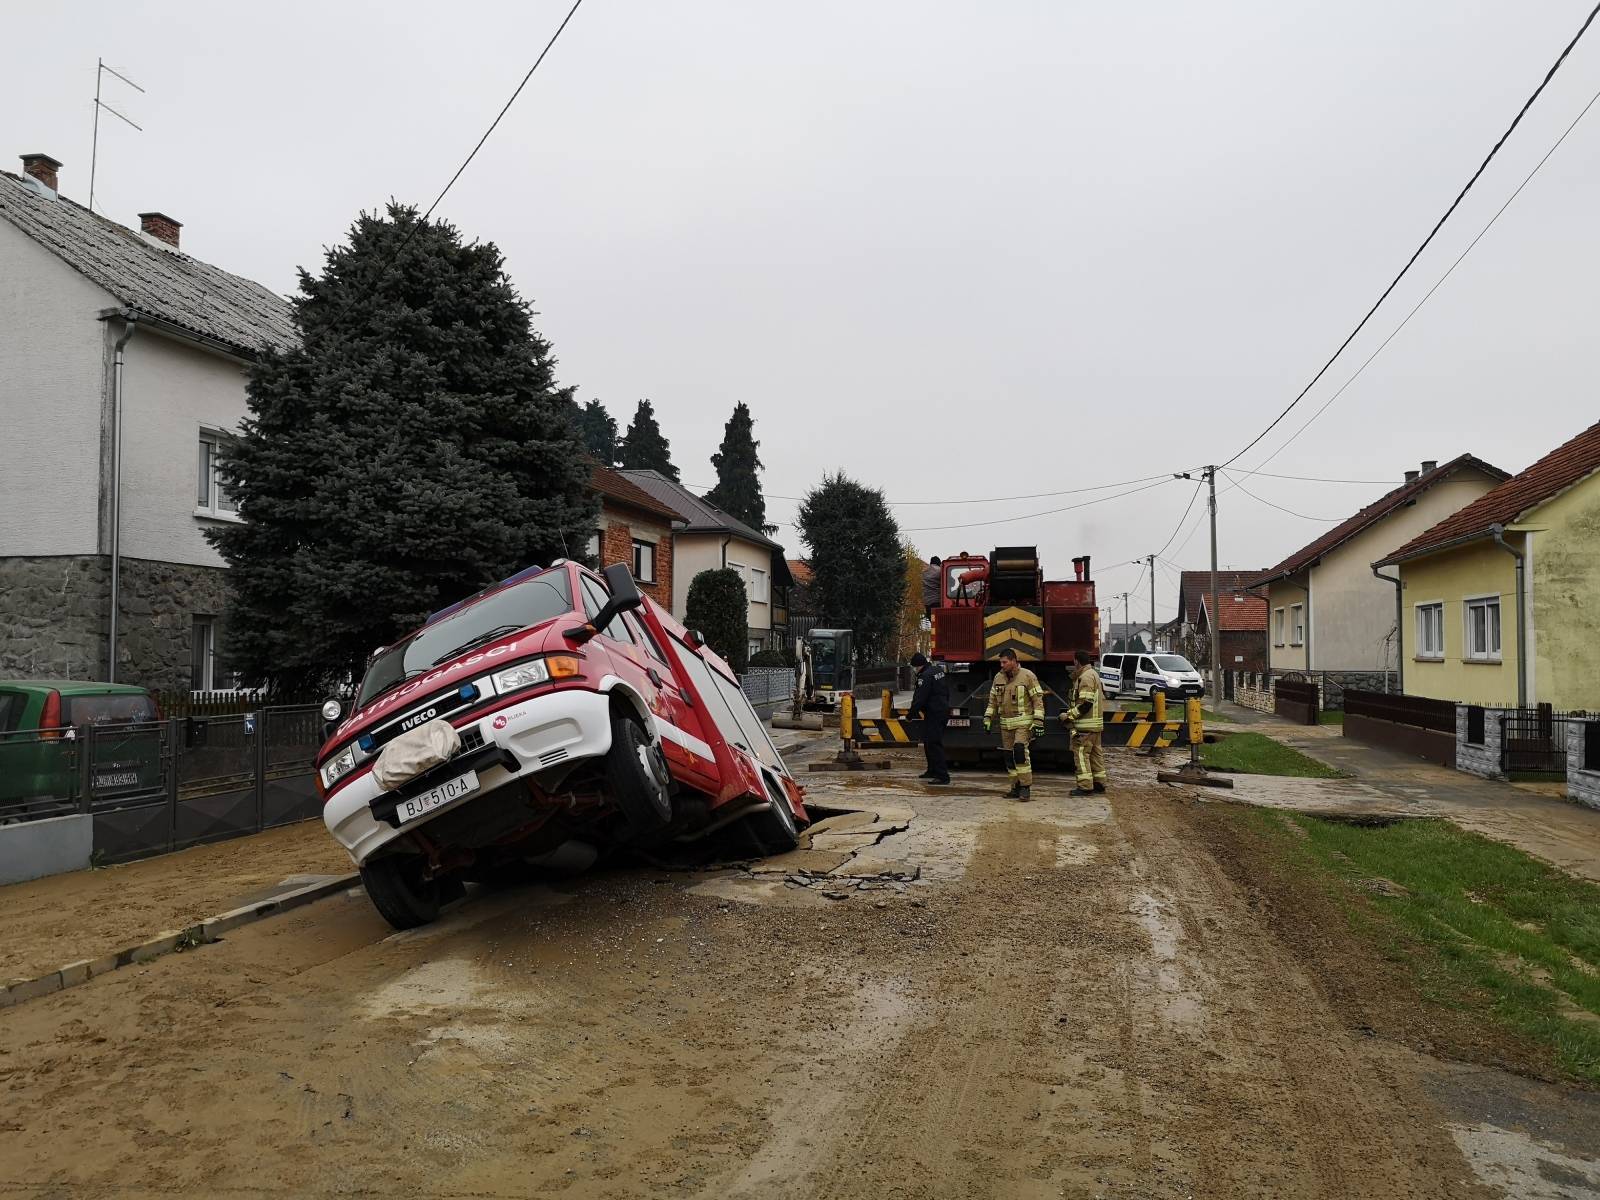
x: 1145, y: 674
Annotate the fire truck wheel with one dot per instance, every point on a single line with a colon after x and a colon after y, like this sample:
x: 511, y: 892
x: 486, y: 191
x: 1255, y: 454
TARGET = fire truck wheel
x: 398, y: 891
x: 774, y: 827
x: 637, y: 777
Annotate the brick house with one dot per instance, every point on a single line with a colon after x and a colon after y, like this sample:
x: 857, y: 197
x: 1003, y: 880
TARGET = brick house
x: 122, y: 370
x: 1242, y: 622
x: 635, y: 528
x: 1189, y: 635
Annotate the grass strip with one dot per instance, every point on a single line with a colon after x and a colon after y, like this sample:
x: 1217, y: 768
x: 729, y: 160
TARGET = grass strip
x: 1257, y: 754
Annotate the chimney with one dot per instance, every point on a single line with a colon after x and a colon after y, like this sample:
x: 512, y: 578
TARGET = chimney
x: 1411, y: 476
x: 1429, y: 464
x: 43, y: 168
x: 161, y: 227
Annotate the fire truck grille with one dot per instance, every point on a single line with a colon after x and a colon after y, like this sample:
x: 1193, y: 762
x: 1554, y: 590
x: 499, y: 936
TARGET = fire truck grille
x: 1065, y: 632
x: 471, y: 739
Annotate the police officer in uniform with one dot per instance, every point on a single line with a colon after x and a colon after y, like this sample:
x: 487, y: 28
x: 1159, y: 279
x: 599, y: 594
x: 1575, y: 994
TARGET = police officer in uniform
x: 1086, y: 718
x: 1017, y: 701
x: 931, y: 702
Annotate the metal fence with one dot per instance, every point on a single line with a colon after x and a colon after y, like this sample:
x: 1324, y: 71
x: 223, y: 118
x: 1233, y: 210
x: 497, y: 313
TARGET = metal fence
x: 767, y: 686
x: 164, y: 785
x: 1420, y: 711
x: 1297, y: 700
x: 1533, y: 741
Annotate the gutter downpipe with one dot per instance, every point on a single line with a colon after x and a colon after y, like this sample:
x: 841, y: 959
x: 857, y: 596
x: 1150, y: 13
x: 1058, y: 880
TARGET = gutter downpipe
x: 1498, y: 532
x: 1399, y: 634
x: 130, y: 326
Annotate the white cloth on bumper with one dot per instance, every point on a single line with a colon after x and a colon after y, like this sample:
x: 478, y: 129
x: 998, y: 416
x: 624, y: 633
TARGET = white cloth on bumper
x: 414, y: 752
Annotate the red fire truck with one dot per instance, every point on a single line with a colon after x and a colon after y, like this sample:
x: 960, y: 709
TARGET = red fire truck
x: 539, y: 722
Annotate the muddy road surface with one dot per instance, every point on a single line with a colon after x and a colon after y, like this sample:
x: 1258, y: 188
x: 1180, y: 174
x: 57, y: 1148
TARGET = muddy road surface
x: 1070, y: 999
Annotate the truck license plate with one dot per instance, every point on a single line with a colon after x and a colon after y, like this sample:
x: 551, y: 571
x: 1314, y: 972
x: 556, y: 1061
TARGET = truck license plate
x: 116, y: 779
x: 452, y: 789
x: 961, y: 722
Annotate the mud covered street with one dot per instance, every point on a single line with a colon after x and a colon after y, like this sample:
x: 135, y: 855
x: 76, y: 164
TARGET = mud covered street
x: 1070, y: 999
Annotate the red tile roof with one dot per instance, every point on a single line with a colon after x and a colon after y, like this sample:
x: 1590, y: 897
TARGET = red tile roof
x: 801, y: 570
x: 1192, y: 585
x: 1240, y: 611
x: 1557, y: 471
x: 619, y: 489
x: 1372, y: 514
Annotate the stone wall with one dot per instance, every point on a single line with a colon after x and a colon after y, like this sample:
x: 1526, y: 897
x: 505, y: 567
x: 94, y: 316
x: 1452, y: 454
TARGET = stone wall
x: 1583, y: 786
x: 55, y: 618
x: 1483, y: 759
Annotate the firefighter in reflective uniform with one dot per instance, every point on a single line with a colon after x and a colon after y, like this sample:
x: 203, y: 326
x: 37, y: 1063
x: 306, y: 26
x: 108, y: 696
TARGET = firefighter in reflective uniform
x: 1085, y: 717
x: 1017, y: 701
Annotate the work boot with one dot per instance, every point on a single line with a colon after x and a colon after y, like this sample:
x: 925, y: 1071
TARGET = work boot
x: 945, y: 782
x: 1080, y: 790
x: 1015, y: 793
x: 926, y: 775
x: 1025, y: 794
x: 1099, y: 786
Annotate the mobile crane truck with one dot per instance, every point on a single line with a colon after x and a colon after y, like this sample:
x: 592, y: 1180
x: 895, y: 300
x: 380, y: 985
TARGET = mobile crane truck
x: 1004, y: 602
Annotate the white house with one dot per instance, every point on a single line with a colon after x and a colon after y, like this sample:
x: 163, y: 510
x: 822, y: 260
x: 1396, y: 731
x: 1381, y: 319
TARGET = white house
x: 709, y: 539
x: 104, y: 329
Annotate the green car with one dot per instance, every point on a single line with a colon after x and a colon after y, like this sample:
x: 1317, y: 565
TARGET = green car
x: 41, y: 724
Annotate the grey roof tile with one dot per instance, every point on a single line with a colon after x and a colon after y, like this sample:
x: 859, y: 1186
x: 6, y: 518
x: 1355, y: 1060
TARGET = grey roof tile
x: 153, y: 280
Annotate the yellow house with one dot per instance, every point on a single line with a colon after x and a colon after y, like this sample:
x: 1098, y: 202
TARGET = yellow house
x: 1500, y: 599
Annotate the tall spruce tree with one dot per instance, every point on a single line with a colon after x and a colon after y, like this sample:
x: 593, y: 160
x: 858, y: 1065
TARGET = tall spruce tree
x: 599, y: 430
x: 412, y: 448
x: 857, y: 561
x: 738, y: 490
x: 644, y: 447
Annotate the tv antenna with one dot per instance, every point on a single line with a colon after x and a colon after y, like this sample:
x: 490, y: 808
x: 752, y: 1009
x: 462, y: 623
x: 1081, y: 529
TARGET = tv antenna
x: 99, y: 78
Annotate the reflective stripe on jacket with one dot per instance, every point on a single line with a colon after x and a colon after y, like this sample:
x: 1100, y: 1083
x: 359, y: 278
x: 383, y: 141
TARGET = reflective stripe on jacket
x: 1087, y: 686
x: 1018, y: 701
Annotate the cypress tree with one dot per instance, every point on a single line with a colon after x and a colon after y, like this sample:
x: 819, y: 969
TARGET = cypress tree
x: 644, y: 447
x: 718, y: 607
x: 857, y: 561
x: 599, y: 430
x: 738, y: 490
x: 410, y: 449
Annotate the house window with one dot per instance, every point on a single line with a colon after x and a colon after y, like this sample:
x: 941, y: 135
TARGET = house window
x: 591, y: 548
x: 1277, y: 627
x: 203, y: 655
x: 758, y: 586
x: 1297, y: 624
x: 211, y: 498
x: 644, y: 561
x: 1483, y: 629
x: 1430, y: 631
x: 754, y: 648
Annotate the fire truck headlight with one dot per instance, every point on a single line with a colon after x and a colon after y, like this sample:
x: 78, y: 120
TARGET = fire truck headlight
x: 521, y: 676
x: 337, y: 767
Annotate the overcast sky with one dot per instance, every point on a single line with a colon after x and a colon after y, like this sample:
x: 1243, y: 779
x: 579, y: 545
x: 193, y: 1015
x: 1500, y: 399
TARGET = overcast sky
x: 957, y: 250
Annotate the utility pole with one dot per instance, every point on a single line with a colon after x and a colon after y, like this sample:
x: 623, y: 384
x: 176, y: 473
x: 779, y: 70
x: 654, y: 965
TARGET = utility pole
x: 1127, y: 628
x: 1216, y: 608
x: 1152, y: 561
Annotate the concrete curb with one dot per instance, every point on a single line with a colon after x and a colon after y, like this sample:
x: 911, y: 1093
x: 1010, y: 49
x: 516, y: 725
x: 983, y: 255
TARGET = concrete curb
x: 199, y: 934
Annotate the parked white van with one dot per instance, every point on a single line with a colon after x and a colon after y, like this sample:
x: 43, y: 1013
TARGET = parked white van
x: 1145, y: 674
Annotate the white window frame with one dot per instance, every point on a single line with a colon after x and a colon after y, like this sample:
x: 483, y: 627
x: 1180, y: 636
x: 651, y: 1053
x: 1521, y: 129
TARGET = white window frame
x: 641, y: 548
x: 1297, y: 625
x: 1425, y: 652
x: 1277, y: 626
x: 1469, y: 653
x: 217, y: 505
x: 206, y: 654
x: 758, y: 586
x: 591, y: 548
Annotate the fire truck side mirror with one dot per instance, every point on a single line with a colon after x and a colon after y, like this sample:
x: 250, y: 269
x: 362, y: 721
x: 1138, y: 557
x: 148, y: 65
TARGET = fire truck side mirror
x: 624, y: 591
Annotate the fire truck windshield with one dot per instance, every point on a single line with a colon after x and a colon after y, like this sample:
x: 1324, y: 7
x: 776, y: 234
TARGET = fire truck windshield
x: 520, y: 606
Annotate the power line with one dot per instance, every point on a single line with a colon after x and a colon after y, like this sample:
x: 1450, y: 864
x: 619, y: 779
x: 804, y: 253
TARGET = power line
x: 1279, y: 507
x: 1439, y: 224
x: 1099, y: 487
x: 1193, y: 496
x: 1049, y: 513
x: 1385, y: 343
x: 467, y: 162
